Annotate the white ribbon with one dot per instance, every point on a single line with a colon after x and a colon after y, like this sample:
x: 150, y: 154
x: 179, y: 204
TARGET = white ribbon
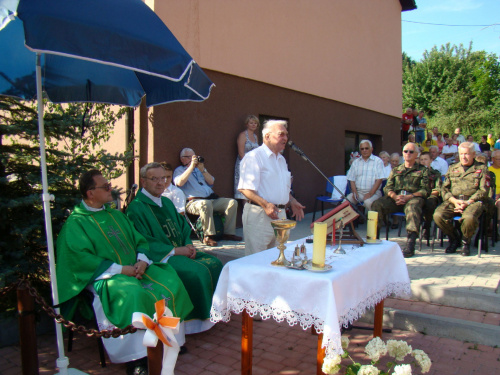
x: 164, y: 326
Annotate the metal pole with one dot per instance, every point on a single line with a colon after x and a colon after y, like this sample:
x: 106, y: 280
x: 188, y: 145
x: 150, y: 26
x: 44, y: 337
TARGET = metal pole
x: 62, y: 362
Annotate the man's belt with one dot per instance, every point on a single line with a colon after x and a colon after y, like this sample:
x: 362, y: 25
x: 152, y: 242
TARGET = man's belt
x: 281, y: 206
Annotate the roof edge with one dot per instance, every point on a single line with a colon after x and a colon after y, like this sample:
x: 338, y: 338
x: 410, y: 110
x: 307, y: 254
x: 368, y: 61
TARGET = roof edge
x: 408, y: 5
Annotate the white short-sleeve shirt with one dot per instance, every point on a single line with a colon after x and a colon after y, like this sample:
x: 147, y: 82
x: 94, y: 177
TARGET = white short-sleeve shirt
x: 267, y: 174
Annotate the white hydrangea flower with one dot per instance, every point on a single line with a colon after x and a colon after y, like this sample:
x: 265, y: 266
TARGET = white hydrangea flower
x: 332, y: 365
x: 422, y: 359
x: 345, y: 342
x: 368, y: 370
x: 402, y: 369
x: 375, y: 349
x: 398, y: 349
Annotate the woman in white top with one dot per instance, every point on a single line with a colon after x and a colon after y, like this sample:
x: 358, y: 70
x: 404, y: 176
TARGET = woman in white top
x: 384, y: 155
x: 247, y: 140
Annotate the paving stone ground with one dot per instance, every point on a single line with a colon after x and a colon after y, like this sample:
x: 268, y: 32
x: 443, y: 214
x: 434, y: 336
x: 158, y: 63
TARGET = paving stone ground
x: 278, y: 349
x: 281, y: 349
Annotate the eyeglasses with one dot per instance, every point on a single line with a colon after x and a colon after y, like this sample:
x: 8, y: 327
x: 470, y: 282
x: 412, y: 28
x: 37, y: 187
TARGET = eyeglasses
x: 156, y: 179
x: 409, y: 151
x: 364, y: 148
x: 186, y: 156
x: 106, y: 187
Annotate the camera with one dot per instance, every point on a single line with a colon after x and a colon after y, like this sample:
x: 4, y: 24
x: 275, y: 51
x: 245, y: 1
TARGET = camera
x: 201, y: 159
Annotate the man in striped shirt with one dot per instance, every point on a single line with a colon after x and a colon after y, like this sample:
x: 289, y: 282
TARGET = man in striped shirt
x: 365, y: 176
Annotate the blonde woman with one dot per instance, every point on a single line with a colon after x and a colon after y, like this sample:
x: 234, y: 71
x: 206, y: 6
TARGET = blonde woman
x: 247, y: 140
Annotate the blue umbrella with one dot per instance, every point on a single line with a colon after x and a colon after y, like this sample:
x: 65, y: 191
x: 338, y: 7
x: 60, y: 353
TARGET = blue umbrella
x: 107, y: 51
x: 112, y: 51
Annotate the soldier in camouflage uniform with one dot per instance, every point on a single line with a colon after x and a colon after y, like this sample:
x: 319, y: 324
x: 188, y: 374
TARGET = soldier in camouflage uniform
x: 465, y: 188
x: 411, y: 178
x: 434, y: 198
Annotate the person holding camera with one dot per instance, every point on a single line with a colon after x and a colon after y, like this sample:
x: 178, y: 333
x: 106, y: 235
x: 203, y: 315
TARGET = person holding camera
x: 193, y: 178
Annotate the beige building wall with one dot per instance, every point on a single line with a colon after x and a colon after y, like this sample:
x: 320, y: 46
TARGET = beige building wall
x: 344, y: 50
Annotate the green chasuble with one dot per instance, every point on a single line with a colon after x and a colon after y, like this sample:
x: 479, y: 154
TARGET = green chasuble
x: 165, y: 228
x: 89, y: 243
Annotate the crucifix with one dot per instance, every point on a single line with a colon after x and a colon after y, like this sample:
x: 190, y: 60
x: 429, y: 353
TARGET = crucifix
x: 116, y: 234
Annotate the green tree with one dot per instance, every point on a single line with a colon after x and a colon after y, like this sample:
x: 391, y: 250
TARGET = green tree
x: 74, y: 137
x: 456, y: 87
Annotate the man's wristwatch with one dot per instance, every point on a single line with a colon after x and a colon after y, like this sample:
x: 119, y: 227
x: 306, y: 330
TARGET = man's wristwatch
x: 204, y: 171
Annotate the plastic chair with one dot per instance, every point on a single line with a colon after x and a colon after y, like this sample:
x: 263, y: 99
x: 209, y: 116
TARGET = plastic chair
x: 481, y: 235
x: 327, y: 198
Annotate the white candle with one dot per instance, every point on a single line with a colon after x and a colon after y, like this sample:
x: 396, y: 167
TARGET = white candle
x: 319, y: 245
x: 371, y: 229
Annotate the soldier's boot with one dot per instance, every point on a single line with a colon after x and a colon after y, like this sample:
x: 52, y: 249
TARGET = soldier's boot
x: 452, y: 245
x: 465, y: 247
x: 426, y: 230
x: 454, y: 242
x: 409, y: 250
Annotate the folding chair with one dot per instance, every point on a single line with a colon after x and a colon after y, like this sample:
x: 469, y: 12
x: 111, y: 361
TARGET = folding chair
x: 327, y: 198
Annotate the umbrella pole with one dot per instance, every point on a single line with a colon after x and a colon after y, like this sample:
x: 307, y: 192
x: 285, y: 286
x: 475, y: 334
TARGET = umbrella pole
x: 63, y: 361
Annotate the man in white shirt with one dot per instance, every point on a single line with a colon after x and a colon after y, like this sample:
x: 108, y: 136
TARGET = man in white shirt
x: 266, y: 182
x: 172, y: 192
x: 449, y: 150
x: 438, y: 163
x: 470, y: 139
x: 435, y: 132
x: 365, y: 176
x: 460, y: 137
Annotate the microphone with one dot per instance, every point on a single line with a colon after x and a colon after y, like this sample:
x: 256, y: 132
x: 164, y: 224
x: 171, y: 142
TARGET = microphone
x: 133, y: 188
x: 299, y: 152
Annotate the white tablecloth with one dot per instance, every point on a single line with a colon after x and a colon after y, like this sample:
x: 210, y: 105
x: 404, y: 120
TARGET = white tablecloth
x: 358, y: 281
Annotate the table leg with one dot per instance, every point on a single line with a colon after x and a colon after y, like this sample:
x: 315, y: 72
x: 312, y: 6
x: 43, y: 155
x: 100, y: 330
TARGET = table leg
x: 378, y: 319
x: 320, y: 353
x: 246, y: 343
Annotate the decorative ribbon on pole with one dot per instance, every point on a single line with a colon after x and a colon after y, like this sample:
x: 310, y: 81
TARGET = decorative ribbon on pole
x: 162, y: 327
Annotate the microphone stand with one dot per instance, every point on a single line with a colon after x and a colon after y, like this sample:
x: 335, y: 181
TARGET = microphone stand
x: 304, y: 156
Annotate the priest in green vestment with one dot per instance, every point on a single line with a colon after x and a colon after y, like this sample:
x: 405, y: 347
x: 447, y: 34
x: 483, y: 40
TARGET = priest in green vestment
x: 168, y: 234
x: 99, y: 247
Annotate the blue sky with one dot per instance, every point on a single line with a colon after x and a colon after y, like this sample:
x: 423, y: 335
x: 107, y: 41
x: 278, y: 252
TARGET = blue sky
x: 416, y: 38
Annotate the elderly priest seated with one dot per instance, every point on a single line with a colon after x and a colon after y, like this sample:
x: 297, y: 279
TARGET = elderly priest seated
x: 99, y: 249
x: 168, y: 234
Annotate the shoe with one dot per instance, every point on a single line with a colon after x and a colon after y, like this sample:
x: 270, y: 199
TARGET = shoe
x: 183, y: 350
x: 137, y: 367
x: 394, y: 226
x: 409, y: 250
x: 209, y: 242
x: 231, y: 237
x: 452, y: 246
x: 425, y: 233
x: 465, y: 247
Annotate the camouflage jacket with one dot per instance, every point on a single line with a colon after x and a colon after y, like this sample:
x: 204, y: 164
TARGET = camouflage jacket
x: 413, y: 180
x: 473, y: 182
x: 435, y: 181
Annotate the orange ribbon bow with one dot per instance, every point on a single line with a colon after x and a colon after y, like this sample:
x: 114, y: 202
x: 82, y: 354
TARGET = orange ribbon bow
x: 163, y: 321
